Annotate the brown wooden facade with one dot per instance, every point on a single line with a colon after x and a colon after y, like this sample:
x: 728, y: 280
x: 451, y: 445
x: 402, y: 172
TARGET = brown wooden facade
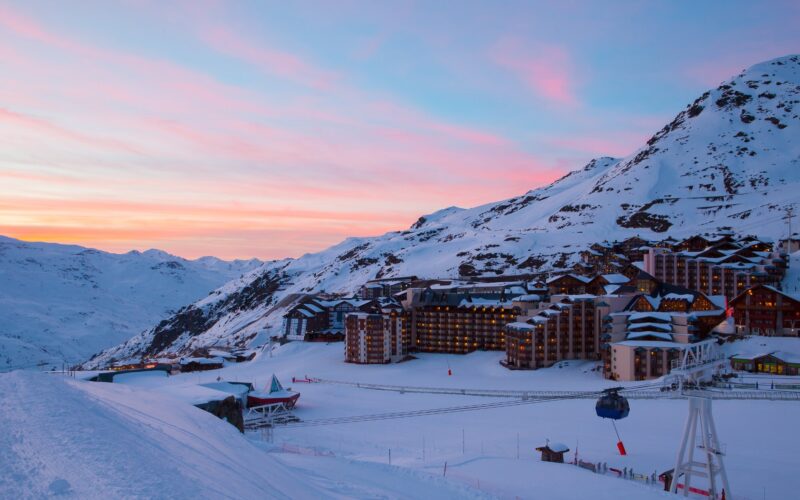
x: 763, y: 310
x: 568, y: 284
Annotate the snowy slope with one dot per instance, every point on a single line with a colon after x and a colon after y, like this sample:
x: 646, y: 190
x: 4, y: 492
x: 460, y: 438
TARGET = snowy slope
x: 115, y: 441
x: 481, y: 447
x: 63, y: 302
x: 730, y: 159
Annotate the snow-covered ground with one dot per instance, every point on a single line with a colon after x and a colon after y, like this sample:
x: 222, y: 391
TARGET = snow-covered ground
x: 76, y: 439
x: 759, y: 436
x: 352, y: 460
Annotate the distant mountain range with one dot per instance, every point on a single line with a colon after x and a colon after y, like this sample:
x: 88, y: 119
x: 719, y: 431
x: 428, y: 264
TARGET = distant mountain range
x: 62, y: 303
x: 730, y: 159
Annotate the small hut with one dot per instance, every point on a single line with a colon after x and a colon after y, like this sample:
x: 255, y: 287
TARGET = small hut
x: 553, y: 452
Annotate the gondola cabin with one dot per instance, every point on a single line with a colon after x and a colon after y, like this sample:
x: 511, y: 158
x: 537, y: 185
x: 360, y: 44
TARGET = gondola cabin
x: 612, y: 405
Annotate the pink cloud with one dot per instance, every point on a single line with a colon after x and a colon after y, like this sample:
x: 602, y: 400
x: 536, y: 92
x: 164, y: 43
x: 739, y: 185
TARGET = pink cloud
x: 547, y: 70
x: 269, y: 60
x: 45, y: 129
x: 215, y: 162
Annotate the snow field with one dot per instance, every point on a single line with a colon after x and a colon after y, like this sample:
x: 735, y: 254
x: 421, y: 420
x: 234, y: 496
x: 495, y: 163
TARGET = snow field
x: 76, y: 439
x: 758, y: 436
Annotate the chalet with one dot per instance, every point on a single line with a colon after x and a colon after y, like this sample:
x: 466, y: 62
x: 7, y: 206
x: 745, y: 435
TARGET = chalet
x: 604, y: 284
x: 607, y: 258
x: 692, y: 244
x: 568, y: 284
x: 309, y: 316
x: 633, y: 248
x: 773, y: 363
x: 338, y: 310
x: 322, y: 319
x: 699, y: 242
x: 765, y: 310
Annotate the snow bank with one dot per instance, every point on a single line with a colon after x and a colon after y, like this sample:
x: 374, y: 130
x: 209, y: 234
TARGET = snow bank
x: 93, y: 440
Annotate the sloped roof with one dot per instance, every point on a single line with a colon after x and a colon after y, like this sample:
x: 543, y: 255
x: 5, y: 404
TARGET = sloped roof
x: 616, y: 278
x: 648, y: 333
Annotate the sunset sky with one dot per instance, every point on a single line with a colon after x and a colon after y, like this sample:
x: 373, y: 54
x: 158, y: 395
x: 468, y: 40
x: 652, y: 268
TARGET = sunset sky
x: 271, y: 129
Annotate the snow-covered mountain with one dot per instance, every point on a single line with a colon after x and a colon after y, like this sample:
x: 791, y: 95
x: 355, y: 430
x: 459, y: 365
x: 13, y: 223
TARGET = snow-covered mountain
x: 730, y: 159
x: 62, y: 303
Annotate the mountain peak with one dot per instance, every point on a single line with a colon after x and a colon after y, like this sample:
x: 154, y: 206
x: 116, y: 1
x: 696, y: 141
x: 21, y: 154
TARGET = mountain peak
x: 780, y: 66
x: 729, y: 159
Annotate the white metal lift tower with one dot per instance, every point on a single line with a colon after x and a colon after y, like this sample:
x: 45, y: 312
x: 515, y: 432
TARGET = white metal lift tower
x: 699, y: 364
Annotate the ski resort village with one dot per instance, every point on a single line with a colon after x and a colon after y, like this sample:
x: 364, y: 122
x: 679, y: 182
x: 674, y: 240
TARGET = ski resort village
x: 614, y: 327
x: 588, y: 382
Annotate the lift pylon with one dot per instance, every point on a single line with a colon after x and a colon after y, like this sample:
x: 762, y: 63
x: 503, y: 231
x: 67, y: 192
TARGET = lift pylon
x: 710, y: 465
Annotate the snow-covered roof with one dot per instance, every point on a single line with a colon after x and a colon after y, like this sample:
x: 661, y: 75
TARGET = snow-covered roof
x: 726, y: 327
x: 218, y: 352
x: 144, y: 377
x: 192, y: 394
x: 578, y: 277
x: 788, y: 357
x: 519, y: 325
x: 228, y: 387
x: 581, y: 296
x: 785, y: 348
x: 679, y: 296
x: 616, y: 278
x: 202, y: 361
x: 651, y: 324
x: 652, y: 344
x: 481, y: 302
x: 656, y: 315
x: 516, y: 290
x: 558, y: 447
x: 649, y: 333
x: 530, y: 297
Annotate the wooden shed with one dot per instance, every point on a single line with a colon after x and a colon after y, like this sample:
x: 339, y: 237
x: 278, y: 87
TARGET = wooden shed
x: 553, y: 452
